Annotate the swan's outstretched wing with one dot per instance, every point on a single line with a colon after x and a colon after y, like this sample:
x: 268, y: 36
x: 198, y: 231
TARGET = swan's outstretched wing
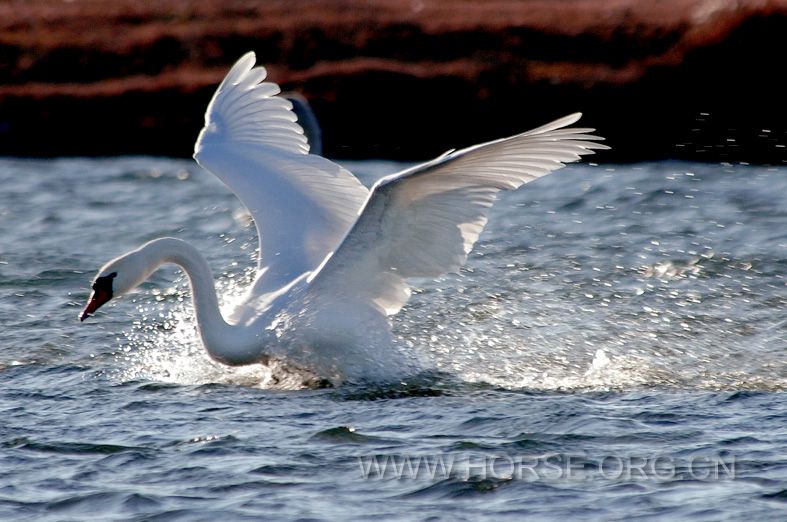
x: 302, y: 204
x: 423, y: 222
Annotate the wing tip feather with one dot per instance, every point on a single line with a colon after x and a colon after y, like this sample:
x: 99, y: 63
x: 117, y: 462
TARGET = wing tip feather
x: 247, y: 108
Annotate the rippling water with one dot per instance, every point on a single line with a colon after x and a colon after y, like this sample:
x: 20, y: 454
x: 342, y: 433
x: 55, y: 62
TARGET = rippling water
x: 614, y: 349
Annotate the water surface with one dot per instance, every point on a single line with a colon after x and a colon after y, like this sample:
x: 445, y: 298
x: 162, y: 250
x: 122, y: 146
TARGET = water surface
x: 614, y: 349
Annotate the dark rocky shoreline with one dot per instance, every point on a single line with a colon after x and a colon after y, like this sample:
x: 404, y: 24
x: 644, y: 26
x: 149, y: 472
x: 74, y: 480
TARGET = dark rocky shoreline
x: 683, y: 79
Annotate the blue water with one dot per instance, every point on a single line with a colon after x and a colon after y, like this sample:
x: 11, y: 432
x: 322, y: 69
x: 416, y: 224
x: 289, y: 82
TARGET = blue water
x: 615, y: 349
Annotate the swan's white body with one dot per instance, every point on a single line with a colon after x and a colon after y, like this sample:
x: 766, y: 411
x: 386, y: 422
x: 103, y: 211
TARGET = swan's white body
x: 334, y: 257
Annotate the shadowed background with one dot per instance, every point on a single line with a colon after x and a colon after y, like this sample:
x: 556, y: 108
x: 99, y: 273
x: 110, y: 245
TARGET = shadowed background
x: 688, y: 79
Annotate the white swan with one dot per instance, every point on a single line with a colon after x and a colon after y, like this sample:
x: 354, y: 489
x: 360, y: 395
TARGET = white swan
x: 334, y: 257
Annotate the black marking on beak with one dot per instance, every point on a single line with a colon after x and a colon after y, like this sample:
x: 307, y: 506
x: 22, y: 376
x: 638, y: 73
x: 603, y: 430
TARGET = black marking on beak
x: 102, y: 292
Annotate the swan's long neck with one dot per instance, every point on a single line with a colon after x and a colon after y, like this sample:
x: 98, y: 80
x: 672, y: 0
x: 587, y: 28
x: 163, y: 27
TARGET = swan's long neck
x: 226, y: 343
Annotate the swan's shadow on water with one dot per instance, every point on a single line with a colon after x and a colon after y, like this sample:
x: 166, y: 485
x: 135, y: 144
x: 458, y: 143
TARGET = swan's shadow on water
x: 428, y: 383
x: 435, y: 383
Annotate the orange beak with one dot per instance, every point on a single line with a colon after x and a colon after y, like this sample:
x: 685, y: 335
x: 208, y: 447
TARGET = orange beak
x: 97, y: 298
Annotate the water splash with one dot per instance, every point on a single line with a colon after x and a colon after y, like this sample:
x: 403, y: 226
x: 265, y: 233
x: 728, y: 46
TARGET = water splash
x: 164, y: 344
x: 678, y: 287
x: 679, y: 336
x: 675, y: 325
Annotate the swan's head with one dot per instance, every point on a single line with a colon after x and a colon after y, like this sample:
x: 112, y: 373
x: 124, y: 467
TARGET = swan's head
x: 116, y: 278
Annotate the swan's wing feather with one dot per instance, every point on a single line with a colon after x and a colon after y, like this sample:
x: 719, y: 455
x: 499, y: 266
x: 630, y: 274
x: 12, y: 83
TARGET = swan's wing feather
x: 245, y: 109
x: 423, y: 222
x: 302, y: 204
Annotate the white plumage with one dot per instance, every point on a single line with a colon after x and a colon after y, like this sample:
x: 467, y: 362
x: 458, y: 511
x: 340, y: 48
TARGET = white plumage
x: 302, y: 204
x: 423, y: 222
x: 334, y: 258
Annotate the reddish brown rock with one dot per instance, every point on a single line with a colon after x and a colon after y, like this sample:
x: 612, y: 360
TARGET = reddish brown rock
x: 695, y: 79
